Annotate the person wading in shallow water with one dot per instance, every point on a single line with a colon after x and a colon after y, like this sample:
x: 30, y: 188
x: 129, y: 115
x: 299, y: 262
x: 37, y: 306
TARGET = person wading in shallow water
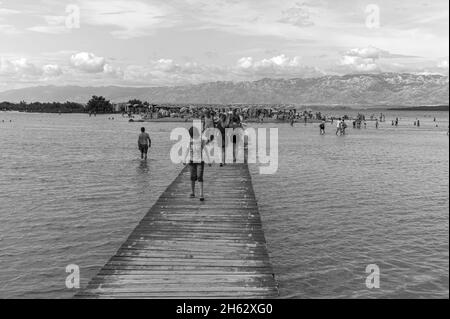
x: 322, y: 128
x: 339, y: 127
x: 144, y: 143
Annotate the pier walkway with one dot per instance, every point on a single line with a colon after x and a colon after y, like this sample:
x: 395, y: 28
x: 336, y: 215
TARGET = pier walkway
x: 184, y: 248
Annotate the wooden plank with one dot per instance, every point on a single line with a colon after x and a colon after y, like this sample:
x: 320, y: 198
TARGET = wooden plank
x: 184, y: 248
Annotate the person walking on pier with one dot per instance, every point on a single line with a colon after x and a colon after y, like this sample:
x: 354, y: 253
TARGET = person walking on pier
x: 196, y: 161
x: 222, y: 125
x: 144, y: 143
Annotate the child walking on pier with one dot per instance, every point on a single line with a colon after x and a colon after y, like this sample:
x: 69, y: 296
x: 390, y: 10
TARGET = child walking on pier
x: 196, y: 160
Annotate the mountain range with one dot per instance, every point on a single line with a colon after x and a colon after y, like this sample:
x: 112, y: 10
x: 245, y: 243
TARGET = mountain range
x: 358, y: 90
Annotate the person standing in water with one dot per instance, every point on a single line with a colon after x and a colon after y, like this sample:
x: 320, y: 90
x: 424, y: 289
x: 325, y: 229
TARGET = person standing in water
x: 322, y: 128
x: 377, y: 124
x: 339, y: 126
x: 343, y: 127
x: 144, y: 143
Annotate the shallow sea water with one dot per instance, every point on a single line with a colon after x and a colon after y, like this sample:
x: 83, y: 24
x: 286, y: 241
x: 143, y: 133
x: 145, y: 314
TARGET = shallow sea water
x: 72, y: 188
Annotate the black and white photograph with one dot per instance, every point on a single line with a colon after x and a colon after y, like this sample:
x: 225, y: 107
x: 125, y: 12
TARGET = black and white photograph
x: 242, y: 152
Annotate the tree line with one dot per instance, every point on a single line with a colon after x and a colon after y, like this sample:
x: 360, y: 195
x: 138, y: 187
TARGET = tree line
x: 37, y: 107
x: 97, y: 104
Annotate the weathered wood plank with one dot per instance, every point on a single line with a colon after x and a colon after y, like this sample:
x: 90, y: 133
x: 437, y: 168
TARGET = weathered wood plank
x: 184, y: 248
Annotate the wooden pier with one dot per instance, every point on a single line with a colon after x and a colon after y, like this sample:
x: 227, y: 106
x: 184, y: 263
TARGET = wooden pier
x: 184, y: 248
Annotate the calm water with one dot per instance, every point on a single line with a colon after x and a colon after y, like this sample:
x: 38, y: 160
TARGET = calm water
x: 338, y: 204
x: 72, y: 189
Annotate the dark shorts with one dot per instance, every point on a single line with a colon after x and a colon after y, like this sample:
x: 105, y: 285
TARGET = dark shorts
x: 197, y: 170
x: 143, y: 148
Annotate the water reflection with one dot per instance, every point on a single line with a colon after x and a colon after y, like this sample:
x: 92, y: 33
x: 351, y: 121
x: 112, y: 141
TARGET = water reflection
x: 143, y: 167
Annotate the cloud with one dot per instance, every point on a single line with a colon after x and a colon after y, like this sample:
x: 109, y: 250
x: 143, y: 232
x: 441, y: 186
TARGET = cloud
x: 362, y: 59
x: 52, y: 70
x: 49, y: 29
x: 6, y: 11
x: 443, y: 64
x: 18, y: 67
x: 112, y: 71
x: 371, y: 59
x: 129, y: 18
x: 359, y: 64
x: 88, y: 62
x: 366, y: 53
x: 22, y: 68
x: 8, y: 29
x: 299, y: 16
x: 54, y: 25
x: 278, y: 66
x: 169, y: 72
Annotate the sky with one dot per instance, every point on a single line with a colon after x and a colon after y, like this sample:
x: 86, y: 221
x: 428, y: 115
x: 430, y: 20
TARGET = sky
x: 181, y: 42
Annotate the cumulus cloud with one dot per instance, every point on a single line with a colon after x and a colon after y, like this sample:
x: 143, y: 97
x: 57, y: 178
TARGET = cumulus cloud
x: 88, y: 62
x: 52, y: 70
x: 169, y: 72
x: 363, y: 59
x: 18, y: 67
x: 281, y: 61
x: 112, y: 71
x: 359, y: 64
x: 23, y: 68
x: 166, y: 65
x: 278, y: 66
x: 367, y: 53
x: 443, y: 64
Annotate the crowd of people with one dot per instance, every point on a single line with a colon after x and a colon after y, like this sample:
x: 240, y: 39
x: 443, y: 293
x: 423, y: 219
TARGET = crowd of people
x: 247, y: 114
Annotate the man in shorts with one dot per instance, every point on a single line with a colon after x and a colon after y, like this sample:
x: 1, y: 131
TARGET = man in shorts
x: 144, y: 143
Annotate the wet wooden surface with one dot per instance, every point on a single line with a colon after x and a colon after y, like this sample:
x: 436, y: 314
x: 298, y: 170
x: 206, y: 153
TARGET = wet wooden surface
x: 184, y: 248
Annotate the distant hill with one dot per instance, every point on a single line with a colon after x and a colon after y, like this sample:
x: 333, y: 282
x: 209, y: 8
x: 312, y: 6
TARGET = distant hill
x: 361, y: 90
x: 423, y: 108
